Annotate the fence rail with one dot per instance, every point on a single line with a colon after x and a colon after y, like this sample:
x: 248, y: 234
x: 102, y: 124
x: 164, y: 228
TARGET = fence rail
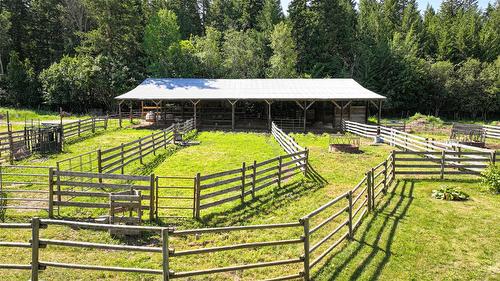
x: 80, y: 127
x: 492, y: 131
x: 323, y: 230
x: 222, y: 187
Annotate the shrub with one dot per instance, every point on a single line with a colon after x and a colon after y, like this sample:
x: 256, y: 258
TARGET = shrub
x: 450, y: 194
x: 491, y: 178
x: 425, y: 119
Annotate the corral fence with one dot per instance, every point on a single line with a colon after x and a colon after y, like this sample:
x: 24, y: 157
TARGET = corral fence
x: 24, y: 187
x: 313, y: 239
x: 175, y: 197
x: 81, y: 127
x: 290, y: 125
x: 465, y: 154
x: 492, y: 131
x: 216, y: 189
x: 116, y: 158
x: 288, y: 143
x: 91, y: 192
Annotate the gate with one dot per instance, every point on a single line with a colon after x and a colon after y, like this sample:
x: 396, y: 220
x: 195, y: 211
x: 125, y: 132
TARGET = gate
x: 175, y: 197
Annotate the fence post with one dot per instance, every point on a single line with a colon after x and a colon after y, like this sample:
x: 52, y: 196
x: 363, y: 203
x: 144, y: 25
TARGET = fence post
x: 373, y: 188
x: 106, y: 122
x: 254, y: 175
x: 164, y: 139
x: 35, y: 245
x: 140, y: 151
x: 349, y: 210
x: 385, y: 176
x: 151, y: 198
x: 306, y: 162
x: 243, y: 174
x: 11, y: 141
x: 93, y: 125
x: 79, y: 127
x: 154, y: 146
x: 122, y: 156
x: 442, y: 164
x: 493, y: 157
x: 198, y: 191
x: 369, y: 190
x: 51, y: 192
x: 164, y: 249
x: 156, y: 199
x: 305, y: 223
x: 280, y: 161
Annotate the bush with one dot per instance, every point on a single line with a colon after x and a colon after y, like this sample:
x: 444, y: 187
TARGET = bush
x: 425, y: 119
x: 450, y: 194
x: 491, y: 178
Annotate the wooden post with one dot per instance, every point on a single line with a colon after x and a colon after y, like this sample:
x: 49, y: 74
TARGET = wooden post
x: 442, y: 164
x: 243, y: 173
x: 306, y: 162
x: 393, y: 171
x: 233, y: 104
x: 341, y: 116
x: 305, y: 115
x: 35, y: 246
x: 280, y: 160
x: 305, y: 238
x: 122, y: 158
x: 379, y: 116
x: 373, y: 188
x: 120, y: 113
x: 79, y: 127
x: 154, y: 145
x: 369, y: 190
x: 198, y: 191
x: 385, y: 176
x: 254, y: 175
x: 152, y: 198
x: 93, y: 125
x: 51, y: 192
x: 156, y: 199
x: 140, y: 151
x: 165, y: 258
x: 11, y: 141
x: 195, y: 113
x: 493, y: 157
x: 106, y: 122
x: 130, y: 112
x: 349, y: 210
x: 269, y: 114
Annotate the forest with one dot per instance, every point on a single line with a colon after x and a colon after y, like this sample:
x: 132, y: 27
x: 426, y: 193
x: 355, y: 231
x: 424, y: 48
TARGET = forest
x: 79, y: 54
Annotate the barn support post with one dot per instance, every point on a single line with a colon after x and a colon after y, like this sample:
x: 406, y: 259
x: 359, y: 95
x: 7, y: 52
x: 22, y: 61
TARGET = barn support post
x: 269, y: 114
x: 130, y: 112
x: 305, y: 107
x: 367, y: 112
x: 120, y: 113
x: 233, y: 105
x: 341, y: 116
x: 157, y: 105
x: 379, y: 116
x: 335, y: 115
x: 195, y: 103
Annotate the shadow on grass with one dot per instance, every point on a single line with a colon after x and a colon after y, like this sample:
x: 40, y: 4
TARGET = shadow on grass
x: 262, y: 204
x: 385, y: 220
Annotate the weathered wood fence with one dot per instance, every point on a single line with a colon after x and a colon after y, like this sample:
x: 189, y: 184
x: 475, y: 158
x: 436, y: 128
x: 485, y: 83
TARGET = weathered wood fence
x: 410, y: 142
x: 24, y: 187
x: 492, y: 131
x: 317, y: 235
x: 216, y: 189
x: 81, y: 127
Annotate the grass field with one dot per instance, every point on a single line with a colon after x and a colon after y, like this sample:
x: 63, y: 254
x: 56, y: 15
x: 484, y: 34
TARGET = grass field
x: 410, y: 237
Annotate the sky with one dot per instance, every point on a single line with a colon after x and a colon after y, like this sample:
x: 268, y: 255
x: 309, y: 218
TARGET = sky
x: 422, y: 4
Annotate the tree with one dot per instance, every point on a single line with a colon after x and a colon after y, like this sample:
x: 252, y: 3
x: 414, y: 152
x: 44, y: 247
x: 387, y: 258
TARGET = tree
x: 243, y: 54
x: 284, y: 59
x: 22, y: 87
x: 489, y: 36
x: 161, y: 37
x: 270, y: 15
x: 4, y: 36
x: 440, y: 85
x: 208, y: 52
x: 188, y: 16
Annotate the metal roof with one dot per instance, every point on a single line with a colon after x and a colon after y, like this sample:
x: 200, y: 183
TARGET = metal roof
x: 249, y: 89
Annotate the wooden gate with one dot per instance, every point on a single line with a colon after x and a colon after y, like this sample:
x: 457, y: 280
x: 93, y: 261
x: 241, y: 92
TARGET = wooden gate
x: 174, y: 197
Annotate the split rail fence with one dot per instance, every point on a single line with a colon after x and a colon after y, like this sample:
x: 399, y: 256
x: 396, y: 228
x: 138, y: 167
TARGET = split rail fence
x: 315, y: 236
x: 460, y: 155
x: 492, y: 131
x: 81, y: 127
x: 116, y: 158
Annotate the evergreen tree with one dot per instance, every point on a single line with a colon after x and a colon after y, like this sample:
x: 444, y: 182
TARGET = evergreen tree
x: 22, y: 87
x: 270, y: 15
x: 243, y: 54
x: 489, y: 36
x: 208, y: 51
x: 188, y: 16
x: 4, y: 36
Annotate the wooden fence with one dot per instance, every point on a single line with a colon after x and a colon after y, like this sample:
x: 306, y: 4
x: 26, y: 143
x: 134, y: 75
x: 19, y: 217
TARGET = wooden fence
x: 236, y: 184
x: 175, y: 197
x: 116, y: 158
x: 289, y: 144
x: 410, y: 142
x: 80, y: 127
x: 91, y: 191
x: 317, y: 234
x: 440, y: 163
x: 492, y: 131
x: 24, y: 187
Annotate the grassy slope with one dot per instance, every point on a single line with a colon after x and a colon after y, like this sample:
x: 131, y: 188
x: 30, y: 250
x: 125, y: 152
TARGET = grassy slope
x: 415, y: 237
x: 19, y: 116
x: 295, y: 199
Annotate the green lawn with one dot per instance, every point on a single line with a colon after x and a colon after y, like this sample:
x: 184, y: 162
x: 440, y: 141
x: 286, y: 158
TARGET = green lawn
x: 408, y: 238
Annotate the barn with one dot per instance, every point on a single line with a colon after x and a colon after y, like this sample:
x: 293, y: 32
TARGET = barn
x: 252, y: 104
